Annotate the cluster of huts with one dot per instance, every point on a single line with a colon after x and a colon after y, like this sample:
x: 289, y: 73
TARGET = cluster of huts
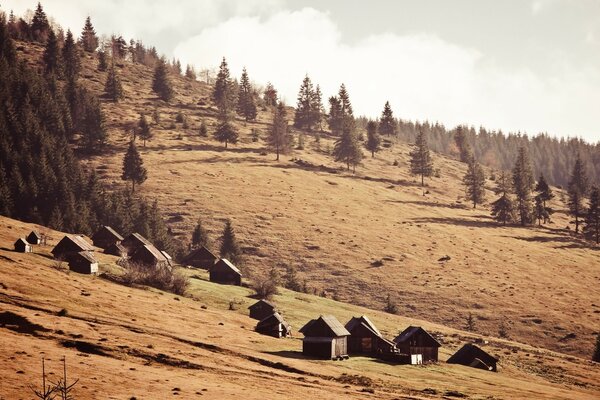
x: 326, y: 338
x: 25, y: 245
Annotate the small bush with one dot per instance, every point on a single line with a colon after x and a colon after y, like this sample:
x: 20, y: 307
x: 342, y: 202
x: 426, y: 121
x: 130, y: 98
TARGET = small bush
x: 162, y: 278
x: 264, y: 287
x: 390, y: 306
x: 179, y: 117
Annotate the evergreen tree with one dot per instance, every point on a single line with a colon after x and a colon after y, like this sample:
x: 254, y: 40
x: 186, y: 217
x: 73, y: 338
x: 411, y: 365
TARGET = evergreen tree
x: 133, y: 167
x: 596, y: 355
x: 279, y: 138
x: 52, y: 55
x: 345, y: 106
x: 246, y: 106
x: 540, y: 211
x: 591, y: 228
x: 544, y: 194
x: 304, y: 117
x: 226, y: 132
x: 71, y: 58
x: 224, y: 92
x: 316, y: 107
x: 270, y: 95
x: 474, y: 181
x: 190, y: 73
x: 144, y: 129
x: 420, y: 159
x: 200, y: 236
x: 113, y: 88
x: 89, y: 40
x: 203, y: 129
x: 387, y: 123
x: 91, y: 122
x: 373, y: 140
x: 161, y: 83
x: 503, y: 209
x: 336, y: 117
x: 464, y: 148
x: 577, y: 190
x: 230, y: 248
x: 40, y: 26
x: 56, y: 220
x: 346, y: 148
x: 102, y: 64
x: 523, y: 182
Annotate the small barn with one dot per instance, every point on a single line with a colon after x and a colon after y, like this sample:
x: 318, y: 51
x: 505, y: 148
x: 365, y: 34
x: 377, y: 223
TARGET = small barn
x: 70, y: 244
x: 365, y: 338
x: 22, y: 246
x: 150, y: 256
x: 416, y: 340
x: 106, y: 237
x: 201, y: 258
x: 226, y: 273
x: 473, y: 356
x: 116, y: 249
x: 134, y: 241
x: 274, y: 325
x: 325, y: 337
x: 83, y: 262
x: 34, y: 237
x: 261, y: 309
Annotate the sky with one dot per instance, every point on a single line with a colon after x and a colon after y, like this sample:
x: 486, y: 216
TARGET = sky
x: 516, y: 65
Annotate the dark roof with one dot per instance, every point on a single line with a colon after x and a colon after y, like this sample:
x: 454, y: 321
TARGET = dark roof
x: 114, y: 248
x: 329, y: 321
x: 79, y: 241
x: 153, y: 251
x: 469, y: 353
x: 109, y: 230
x: 363, y: 319
x: 22, y: 241
x: 272, y: 319
x: 261, y: 302
x: 411, y: 331
x: 136, y: 237
x: 35, y: 233
x: 201, y: 253
x: 225, y: 263
x: 85, y: 255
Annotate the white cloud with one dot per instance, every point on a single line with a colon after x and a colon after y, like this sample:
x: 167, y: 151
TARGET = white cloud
x: 422, y: 76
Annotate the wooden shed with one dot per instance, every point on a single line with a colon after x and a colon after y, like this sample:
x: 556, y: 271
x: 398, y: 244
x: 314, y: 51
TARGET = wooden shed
x: 416, y: 340
x: 225, y: 272
x: 83, y: 262
x: 116, y: 249
x: 150, y: 256
x: 365, y: 338
x: 201, y: 258
x: 34, y: 237
x: 325, y: 337
x: 105, y: 237
x: 22, y: 246
x: 473, y: 356
x: 70, y: 244
x: 261, y: 309
x: 274, y: 325
x: 134, y: 241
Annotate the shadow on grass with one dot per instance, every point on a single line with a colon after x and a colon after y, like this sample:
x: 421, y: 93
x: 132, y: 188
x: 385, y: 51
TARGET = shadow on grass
x: 489, y: 223
x: 430, y: 204
x: 296, y: 355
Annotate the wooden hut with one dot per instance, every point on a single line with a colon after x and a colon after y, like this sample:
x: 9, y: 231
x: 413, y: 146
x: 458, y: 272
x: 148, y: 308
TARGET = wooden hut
x: 415, y: 340
x: 473, y: 356
x: 365, y: 338
x: 106, y: 237
x: 116, y: 249
x: 201, y: 258
x: 134, y: 241
x: 325, y: 337
x: 150, y: 256
x: 34, y: 237
x: 274, y: 325
x: 70, y: 244
x: 225, y: 272
x: 83, y: 262
x: 22, y: 246
x: 261, y: 309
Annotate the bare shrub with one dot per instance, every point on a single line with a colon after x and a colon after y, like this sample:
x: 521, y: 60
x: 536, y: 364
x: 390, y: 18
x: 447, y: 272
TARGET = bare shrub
x: 264, y: 287
x: 162, y: 278
x: 390, y: 305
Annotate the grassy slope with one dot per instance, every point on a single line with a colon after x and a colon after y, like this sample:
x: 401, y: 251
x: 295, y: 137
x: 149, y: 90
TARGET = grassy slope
x: 145, y: 343
x: 331, y: 226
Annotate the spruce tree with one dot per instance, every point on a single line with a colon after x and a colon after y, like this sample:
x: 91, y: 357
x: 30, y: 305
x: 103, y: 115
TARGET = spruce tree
x: 91, y: 122
x: 190, y: 73
x: 224, y: 91
x: 373, y: 140
x: 40, y: 26
x: 226, y: 132
x: 230, y: 248
x: 503, y: 208
x: 345, y: 105
x: 89, y: 39
x: 316, y: 108
x: 464, y: 148
x: 304, y: 117
x: 336, y: 116
x: 591, y: 227
x: 71, y: 58
x: 346, y: 148
x: 145, y: 132
x: 203, y: 129
x: 279, y: 138
x: 387, y: 123
x: 52, y: 55
x: 200, y: 236
x: 161, y: 83
x: 522, y: 179
x: 270, y: 95
x: 246, y: 106
x: 133, y: 167
x: 420, y: 159
x: 544, y: 194
x: 577, y: 190
x: 113, y: 88
x: 102, y: 63
x: 474, y: 181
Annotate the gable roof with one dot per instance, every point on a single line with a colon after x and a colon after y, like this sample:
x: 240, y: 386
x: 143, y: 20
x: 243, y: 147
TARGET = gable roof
x: 201, y: 252
x: 107, y: 230
x: 136, y: 237
x: 272, y: 319
x: 409, y: 332
x: 80, y: 242
x: 22, y: 241
x: 363, y: 319
x: 469, y: 353
x: 35, y: 233
x: 85, y: 255
x: 329, y: 322
x: 262, y: 302
x: 225, y: 263
x: 151, y: 250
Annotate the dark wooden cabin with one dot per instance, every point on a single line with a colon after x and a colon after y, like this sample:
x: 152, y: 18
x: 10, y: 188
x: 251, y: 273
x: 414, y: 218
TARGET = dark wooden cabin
x: 365, y: 338
x: 83, y: 262
x: 22, y: 246
x: 274, y: 325
x: 116, y: 249
x: 201, y: 258
x: 326, y: 338
x: 473, y: 356
x: 261, y: 309
x: 150, y: 256
x: 106, y: 237
x: 416, y: 340
x: 70, y: 244
x: 134, y: 241
x: 226, y: 273
x: 34, y: 237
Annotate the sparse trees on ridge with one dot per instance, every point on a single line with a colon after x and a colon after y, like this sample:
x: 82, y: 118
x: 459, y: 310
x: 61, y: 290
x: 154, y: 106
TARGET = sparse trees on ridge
x: 280, y: 139
x: 113, y: 88
x: 246, y: 106
x: 89, y: 39
x: 474, y: 181
x: 464, y: 148
x: 190, y: 73
x: 523, y: 182
x: 420, y: 159
x: 270, y: 95
x: 591, y: 227
x: 304, y: 117
x: 577, y: 190
x: 161, y: 83
x: 224, y: 91
x: 387, y: 123
x: 503, y: 208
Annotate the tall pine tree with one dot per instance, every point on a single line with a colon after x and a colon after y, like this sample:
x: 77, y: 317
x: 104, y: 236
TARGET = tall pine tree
x: 577, y: 190
x: 161, y: 83
x: 51, y: 55
x: 347, y: 149
x: 474, y: 181
x: 71, y: 58
x: 280, y: 139
x: 304, y: 117
x: 503, y: 209
x: 40, y: 27
x: 113, y: 88
x: 224, y: 91
x: 522, y: 177
x: 230, y: 249
x: 200, y: 236
x: 420, y: 159
x: 246, y: 105
x: 226, y: 132
x: 591, y: 228
x: 373, y: 140
x: 89, y: 39
x: 544, y: 194
x: 133, y: 167
x: 387, y: 123
x: 144, y: 130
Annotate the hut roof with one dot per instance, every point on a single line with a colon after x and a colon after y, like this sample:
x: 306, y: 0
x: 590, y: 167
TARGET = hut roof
x: 272, y: 319
x: 363, y: 319
x: 22, y: 241
x: 469, y: 353
x: 262, y: 302
x: 107, y: 230
x: 409, y: 332
x: 85, y: 255
x: 327, y: 321
x: 224, y: 263
x: 150, y: 250
x: 35, y: 234
x: 200, y: 253
x: 136, y: 239
x: 166, y: 255
x: 79, y: 241
x: 116, y: 248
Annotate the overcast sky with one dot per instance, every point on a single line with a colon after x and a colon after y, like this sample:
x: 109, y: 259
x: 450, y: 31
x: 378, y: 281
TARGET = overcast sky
x: 514, y: 65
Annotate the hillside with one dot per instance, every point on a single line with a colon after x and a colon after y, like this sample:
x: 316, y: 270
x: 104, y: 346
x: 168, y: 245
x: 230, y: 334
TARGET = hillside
x: 331, y: 224
x: 124, y: 342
